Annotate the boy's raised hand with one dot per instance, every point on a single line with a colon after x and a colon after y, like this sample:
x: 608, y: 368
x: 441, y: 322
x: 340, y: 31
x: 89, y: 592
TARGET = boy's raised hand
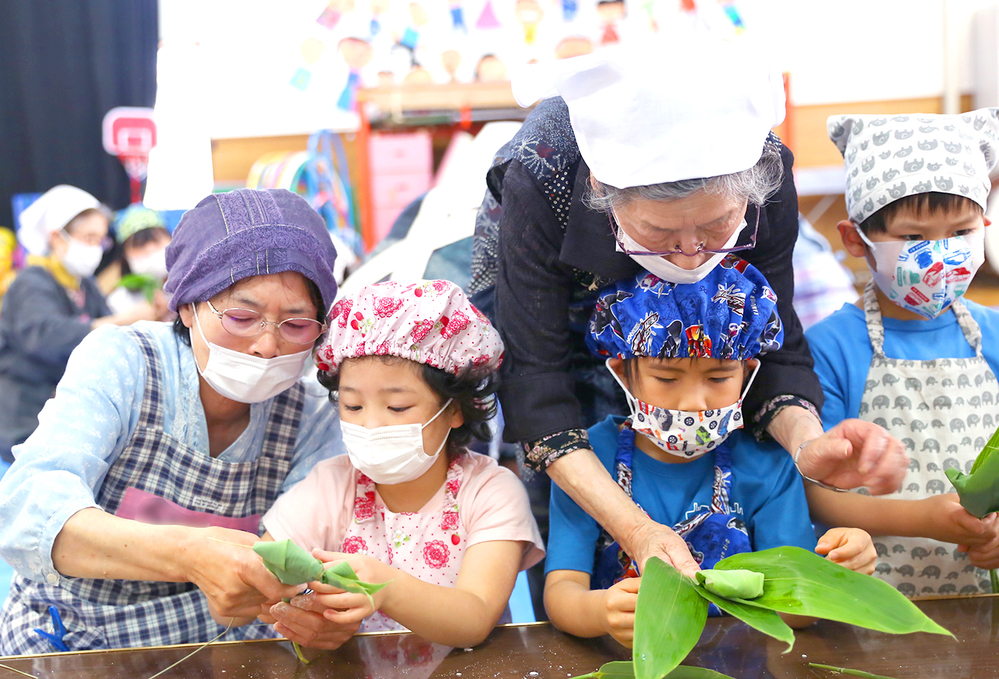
x: 619, y: 610
x: 849, y: 547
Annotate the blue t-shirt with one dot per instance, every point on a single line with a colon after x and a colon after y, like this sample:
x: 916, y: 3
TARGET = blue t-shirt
x: 767, y: 494
x: 842, y: 350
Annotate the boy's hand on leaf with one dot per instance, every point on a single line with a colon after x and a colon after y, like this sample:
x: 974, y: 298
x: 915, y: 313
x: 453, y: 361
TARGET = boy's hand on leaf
x: 849, y: 547
x: 985, y: 555
x: 946, y: 520
x: 618, y: 611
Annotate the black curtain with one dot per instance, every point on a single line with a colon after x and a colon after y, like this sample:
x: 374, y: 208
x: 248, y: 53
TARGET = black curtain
x: 63, y: 65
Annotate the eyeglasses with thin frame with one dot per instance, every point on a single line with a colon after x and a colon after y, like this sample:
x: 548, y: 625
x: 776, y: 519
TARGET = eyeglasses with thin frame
x: 701, y: 250
x: 250, y: 323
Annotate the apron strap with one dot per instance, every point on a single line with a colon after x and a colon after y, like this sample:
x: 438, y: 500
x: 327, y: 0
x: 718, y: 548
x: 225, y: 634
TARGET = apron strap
x: 872, y: 315
x: 623, y: 457
x: 151, y: 412
x: 875, y: 325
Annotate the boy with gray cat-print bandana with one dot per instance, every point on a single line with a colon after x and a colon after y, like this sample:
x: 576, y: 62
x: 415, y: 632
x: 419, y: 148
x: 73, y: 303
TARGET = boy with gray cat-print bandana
x: 912, y: 355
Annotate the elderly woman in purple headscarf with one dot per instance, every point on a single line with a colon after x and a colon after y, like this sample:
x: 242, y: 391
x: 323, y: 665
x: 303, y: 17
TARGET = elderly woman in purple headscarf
x: 125, y: 512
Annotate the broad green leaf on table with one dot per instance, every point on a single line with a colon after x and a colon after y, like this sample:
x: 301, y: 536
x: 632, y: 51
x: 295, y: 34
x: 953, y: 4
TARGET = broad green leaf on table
x: 734, y: 584
x: 760, y: 619
x: 803, y: 583
x: 622, y: 669
x: 979, y: 490
x: 290, y: 563
x: 669, y: 619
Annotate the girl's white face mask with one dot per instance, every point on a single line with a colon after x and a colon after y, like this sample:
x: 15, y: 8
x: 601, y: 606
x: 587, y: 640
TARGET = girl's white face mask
x: 685, y: 433
x: 390, y: 454
x: 245, y: 378
x: 668, y: 271
x: 153, y: 264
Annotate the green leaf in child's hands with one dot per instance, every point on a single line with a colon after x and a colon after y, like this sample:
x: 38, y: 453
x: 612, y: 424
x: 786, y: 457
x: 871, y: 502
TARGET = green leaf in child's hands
x: 803, y: 583
x: 734, y: 584
x: 979, y: 490
x: 135, y: 282
x: 669, y: 617
x: 291, y: 564
x: 342, y: 576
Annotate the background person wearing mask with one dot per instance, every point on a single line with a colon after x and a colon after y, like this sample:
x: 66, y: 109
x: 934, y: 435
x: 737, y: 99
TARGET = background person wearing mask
x: 137, y: 273
x: 51, y: 305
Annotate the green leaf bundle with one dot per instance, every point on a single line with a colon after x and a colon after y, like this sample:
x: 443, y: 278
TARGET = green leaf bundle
x: 979, y: 490
x: 292, y: 565
x: 733, y: 584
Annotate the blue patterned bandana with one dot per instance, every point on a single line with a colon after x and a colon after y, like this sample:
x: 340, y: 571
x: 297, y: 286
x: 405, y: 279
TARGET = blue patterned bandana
x: 731, y: 314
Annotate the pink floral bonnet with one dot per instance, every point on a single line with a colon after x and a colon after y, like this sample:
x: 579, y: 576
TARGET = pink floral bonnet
x: 428, y: 322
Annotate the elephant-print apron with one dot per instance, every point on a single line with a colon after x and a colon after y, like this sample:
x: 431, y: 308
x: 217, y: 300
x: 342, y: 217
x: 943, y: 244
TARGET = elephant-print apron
x: 942, y: 411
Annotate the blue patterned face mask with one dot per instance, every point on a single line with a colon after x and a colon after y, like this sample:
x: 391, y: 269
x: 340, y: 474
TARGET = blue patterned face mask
x: 926, y: 276
x: 685, y: 433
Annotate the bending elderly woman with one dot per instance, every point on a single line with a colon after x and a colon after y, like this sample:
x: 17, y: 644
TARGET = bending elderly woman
x: 164, y: 443
x: 660, y: 159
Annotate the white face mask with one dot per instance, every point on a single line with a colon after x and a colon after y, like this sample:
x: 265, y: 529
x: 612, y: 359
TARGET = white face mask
x: 80, y: 259
x: 245, y: 378
x: 390, y: 454
x: 685, y: 433
x: 670, y: 272
x: 153, y: 264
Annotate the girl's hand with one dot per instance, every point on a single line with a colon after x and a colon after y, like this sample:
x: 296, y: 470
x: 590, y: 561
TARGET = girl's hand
x: 849, y: 547
x: 303, y: 622
x: 348, y: 608
x: 985, y: 555
x: 619, y: 610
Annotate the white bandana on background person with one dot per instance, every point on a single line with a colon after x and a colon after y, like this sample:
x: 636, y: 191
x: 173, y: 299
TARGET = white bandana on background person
x: 245, y: 378
x: 683, y: 108
x: 684, y: 433
x: 891, y: 157
x: 668, y: 271
x: 53, y: 210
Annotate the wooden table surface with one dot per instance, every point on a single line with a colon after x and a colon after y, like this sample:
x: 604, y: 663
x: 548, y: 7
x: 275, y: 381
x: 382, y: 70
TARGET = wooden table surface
x: 538, y: 651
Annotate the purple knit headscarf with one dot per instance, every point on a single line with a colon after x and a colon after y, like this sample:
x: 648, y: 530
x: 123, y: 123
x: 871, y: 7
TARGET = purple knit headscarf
x: 247, y: 232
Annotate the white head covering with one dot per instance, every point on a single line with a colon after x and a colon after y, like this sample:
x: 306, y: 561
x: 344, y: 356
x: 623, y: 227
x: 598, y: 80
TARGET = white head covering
x: 53, y: 210
x: 678, y: 109
x: 891, y: 157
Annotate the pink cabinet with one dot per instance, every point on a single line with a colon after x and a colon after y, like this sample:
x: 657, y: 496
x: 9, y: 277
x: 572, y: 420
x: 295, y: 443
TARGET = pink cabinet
x: 401, y: 167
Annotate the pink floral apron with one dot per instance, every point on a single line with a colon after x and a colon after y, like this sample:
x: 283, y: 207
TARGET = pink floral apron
x: 427, y: 545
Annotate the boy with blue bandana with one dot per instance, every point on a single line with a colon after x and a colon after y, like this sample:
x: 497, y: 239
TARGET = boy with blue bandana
x: 913, y: 356
x: 685, y: 356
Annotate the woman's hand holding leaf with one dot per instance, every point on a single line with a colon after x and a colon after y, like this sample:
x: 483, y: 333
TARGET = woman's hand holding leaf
x: 619, y: 610
x: 941, y: 517
x: 849, y: 547
x: 303, y: 622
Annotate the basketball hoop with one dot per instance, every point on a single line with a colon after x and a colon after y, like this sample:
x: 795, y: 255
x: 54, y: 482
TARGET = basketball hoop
x: 129, y: 133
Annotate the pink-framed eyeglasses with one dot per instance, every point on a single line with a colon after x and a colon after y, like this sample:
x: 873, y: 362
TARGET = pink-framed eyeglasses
x: 615, y: 228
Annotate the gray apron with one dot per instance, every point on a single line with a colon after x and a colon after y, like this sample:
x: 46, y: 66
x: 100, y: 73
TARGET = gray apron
x: 100, y: 614
x: 942, y: 410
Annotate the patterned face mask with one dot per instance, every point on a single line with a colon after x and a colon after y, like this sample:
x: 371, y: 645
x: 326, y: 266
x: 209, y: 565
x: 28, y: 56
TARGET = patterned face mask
x: 926, y: 276
x: 685, y: 433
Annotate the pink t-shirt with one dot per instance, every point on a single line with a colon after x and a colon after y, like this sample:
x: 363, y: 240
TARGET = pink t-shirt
x: 492, y: 503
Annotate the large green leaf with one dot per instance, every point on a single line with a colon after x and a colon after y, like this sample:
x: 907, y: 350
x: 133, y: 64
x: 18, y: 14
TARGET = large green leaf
x: 343, y: 576
x: 803, y: 583
x: 979, y: 490
x: 761, y: 619
x: 624, y: 669
x: 669, y: 619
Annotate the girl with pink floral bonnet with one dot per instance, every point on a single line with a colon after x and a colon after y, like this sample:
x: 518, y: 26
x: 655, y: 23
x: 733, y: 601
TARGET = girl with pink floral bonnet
x: 412, y: 369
